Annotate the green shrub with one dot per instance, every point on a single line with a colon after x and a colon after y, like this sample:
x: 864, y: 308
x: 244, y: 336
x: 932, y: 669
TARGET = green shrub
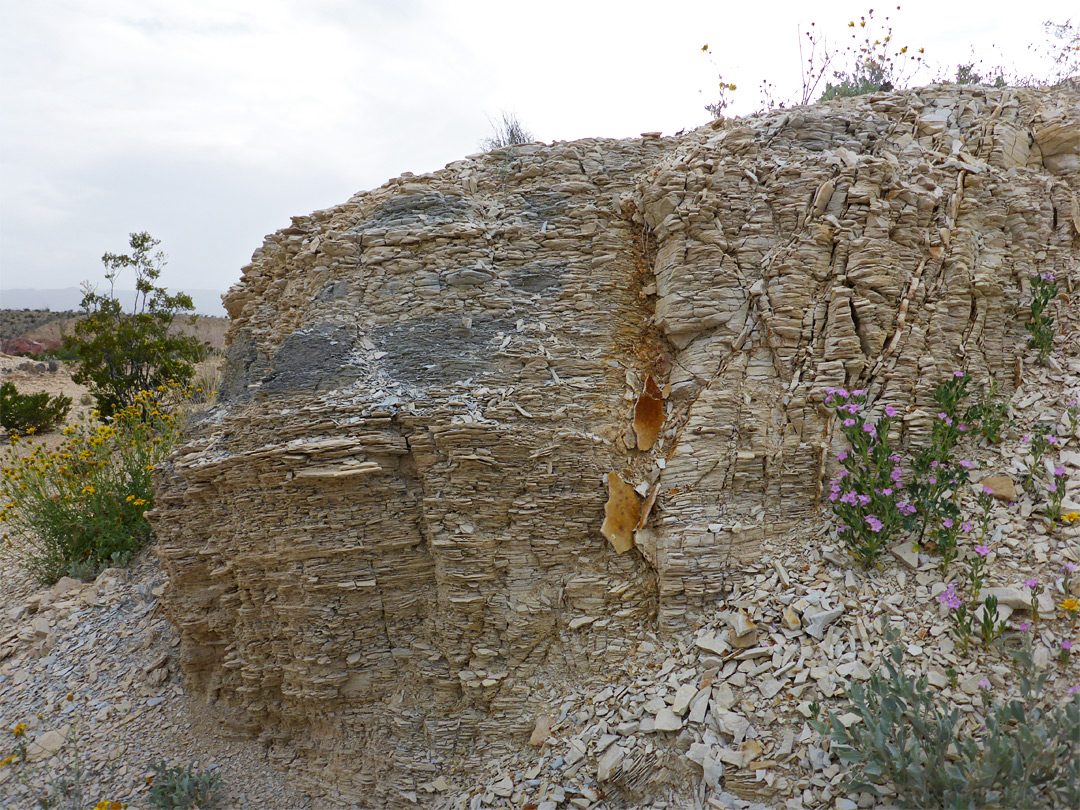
x: 991, y: 413
x: 1040, y: 323
x: 79, y: 508
x: 31, y: 413
x: 123, y: 353
x: 1024, y: 754
x: 176, y: 788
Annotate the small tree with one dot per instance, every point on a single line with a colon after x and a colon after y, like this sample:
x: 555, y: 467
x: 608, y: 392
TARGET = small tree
x: 122, y: 353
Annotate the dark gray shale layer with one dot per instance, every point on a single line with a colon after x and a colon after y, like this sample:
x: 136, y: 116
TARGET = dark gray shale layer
x: 383, y: 544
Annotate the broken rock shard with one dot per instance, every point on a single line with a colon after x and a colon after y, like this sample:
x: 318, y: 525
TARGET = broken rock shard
x: 648, y: 415
x: 621, y: 514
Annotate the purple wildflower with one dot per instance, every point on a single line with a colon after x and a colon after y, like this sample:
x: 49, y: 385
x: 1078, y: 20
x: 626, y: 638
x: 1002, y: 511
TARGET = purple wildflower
x: 949, y: 598
x: 1059, y: 471
x: 1072, y: 690
x: 890, y: 411
x: 849, y: 423
x: 1071, y: 567
x: 987, y: 491
x: 958, y: 374
x: 874, y: 523
x: 947, y: 523
x: 1024, y: 627
x: 858, y: 392
x: 985, y: 684
x: 1031, y: 583
x: 1066, y: 644
x: 967, y: 465
x: 982, y: 550
x: 842, y: 455
x: 967, y: 526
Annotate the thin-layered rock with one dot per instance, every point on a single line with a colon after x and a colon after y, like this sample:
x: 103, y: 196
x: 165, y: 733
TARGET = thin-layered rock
x: 386, y: 538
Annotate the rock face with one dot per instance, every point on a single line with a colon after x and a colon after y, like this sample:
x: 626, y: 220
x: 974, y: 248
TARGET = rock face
x: 384, y: 544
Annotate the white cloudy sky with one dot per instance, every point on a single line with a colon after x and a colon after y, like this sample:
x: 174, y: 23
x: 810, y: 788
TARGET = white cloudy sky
x: 210, y: 122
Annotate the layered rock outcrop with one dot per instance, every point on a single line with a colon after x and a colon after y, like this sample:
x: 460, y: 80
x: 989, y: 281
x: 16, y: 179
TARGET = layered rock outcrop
x: 384, y: 544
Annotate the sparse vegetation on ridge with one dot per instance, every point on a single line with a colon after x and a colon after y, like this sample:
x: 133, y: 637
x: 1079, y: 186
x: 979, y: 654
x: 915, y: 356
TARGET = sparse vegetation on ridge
x: 874, y: 62
x: 508, y: 131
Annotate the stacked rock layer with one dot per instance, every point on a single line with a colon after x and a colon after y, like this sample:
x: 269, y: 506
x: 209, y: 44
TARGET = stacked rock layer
x: 384, y: 542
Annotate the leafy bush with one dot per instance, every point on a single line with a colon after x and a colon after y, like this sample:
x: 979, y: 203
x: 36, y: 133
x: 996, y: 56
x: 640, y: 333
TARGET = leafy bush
x: 1024, y: 755
x: 31, y: 413
x: 865, y: 496
x: 176, y: 788
x: 122, y: 353
x: 938, y: 478
x: 79, y: 508
x: 1040, y: 323
x: 991, y: 413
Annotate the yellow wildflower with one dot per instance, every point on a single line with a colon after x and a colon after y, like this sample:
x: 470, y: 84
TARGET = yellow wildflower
x: 8, y: 760
x: 1070, y: 605
x: 19, y: 730
x: 89, y: 489
x: 1071, y: 516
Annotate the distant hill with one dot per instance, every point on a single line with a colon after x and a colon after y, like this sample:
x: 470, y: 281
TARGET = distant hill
x: 33, y: 331
x: 207, y: 302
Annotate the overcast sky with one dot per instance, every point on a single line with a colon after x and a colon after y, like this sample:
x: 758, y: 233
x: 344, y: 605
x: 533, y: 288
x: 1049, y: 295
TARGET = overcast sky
x: 209, y: 123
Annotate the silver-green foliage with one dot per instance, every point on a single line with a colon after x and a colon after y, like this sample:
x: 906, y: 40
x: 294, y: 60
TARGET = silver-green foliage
x: 176, y: 788
x: 1026, y: 754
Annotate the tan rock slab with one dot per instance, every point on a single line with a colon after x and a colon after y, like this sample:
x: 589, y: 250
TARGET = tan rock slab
x: 621, y: 514
x: 1002, y: 485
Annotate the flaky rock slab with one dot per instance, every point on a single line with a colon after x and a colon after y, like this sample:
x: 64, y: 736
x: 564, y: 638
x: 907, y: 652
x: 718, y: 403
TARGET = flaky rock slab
x: 385, y: 540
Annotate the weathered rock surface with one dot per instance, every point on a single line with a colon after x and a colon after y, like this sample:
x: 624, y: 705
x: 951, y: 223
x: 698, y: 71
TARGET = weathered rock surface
x: 386, y: 540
